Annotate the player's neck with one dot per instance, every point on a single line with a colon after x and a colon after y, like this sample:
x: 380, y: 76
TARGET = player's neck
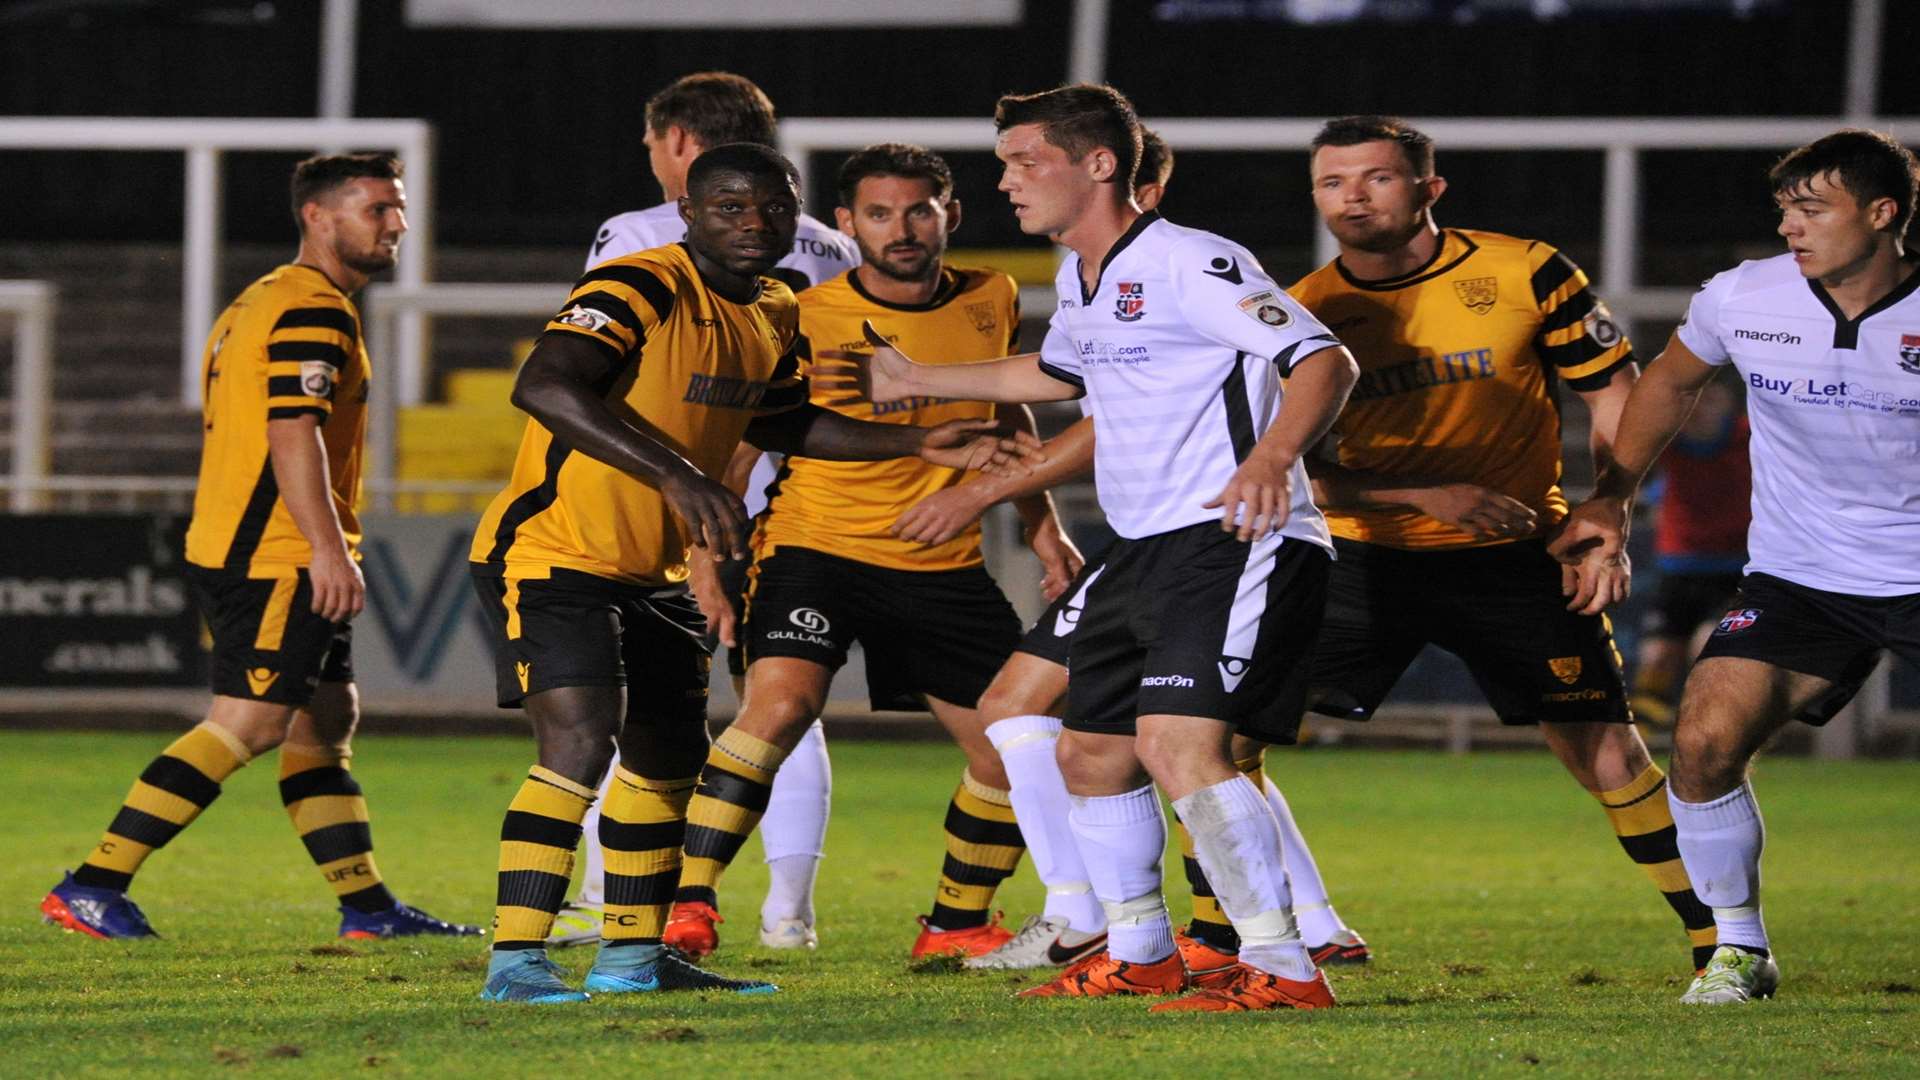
x: 1417, y: 252
x: 892, y: 290
x: 345, y: 278
x: 1858, y: 287
x: 1094, y: 234
x: 737, y: 288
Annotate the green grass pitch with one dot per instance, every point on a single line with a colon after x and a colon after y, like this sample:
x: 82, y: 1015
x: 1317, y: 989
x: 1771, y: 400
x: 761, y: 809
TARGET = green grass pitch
x: 1512, y: 937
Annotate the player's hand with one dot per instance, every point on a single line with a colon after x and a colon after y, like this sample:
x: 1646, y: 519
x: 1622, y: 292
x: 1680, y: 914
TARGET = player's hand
x: 713, y: 518
x: 1059, y: 559
x: 1484, y: 512
x: 940, y: 516
x: 846, y: 378
x: 987, y: 446
x: 1592, y: 543
x: 1256, y: 501
x: 710, y: 591
x: 339, y: 589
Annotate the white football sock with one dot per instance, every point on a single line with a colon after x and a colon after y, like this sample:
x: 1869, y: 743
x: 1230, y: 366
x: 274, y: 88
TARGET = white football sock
x: 1311, y: 908
x: 1237, y: 842
x: 1041, y: 805
x: 1121, y: 837
x: 1720, y: 843
x: 793, y: 832
x: 593, y: 876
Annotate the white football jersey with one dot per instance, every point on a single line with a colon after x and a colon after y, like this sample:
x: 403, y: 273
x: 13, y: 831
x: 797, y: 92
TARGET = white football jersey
x: 1180, y: 348
x: 820, y: 252
x: 1834, y: 405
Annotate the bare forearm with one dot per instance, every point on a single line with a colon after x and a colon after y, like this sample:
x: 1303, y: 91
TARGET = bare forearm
x: 1336, y: 487
x: 1069, y: 458
x: 1010, y: 379
x: 811, y: 431
x: 1316, y: 392
x: 581, y: 419
x: 1661, y: 401
x: 300, y: 471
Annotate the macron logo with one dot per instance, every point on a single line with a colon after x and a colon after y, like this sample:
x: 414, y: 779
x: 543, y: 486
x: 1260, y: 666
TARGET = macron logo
x: 1180, y: 681
x: 1771, y: 337
x: 1232, y: 670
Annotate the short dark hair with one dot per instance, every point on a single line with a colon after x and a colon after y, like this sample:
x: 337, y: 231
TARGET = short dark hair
x: 1156, y: 159
x: 1414, y: 144
x: 318, y: 176
x: 894, y: 159
x: 751, y: 160
x: 1868, y: 164
x: 715, y: 107
x: 1079, y: 119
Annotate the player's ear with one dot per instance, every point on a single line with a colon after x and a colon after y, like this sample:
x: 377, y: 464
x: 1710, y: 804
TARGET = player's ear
x: 953, y: 215
x: 685, y: 202
x: 843, y: 218
x: 1881, y: 213
x: 1435, y: 186
x: 680, y: 142
x: 1102, y: 164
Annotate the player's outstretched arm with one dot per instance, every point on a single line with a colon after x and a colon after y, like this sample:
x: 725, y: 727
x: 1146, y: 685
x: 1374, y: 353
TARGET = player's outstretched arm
x: 811, y: 431
x: 1257, y: 499
x: 1488, y: 514
x: 887, y: 374
x: 943, y: 515
x: 556, y: 387
x: 1594, y: 536
x: 299, y: 459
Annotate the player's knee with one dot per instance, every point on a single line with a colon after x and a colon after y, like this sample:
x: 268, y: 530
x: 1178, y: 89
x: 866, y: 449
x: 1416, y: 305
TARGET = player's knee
x: 1090, y: 767
x: 1706, y: 764
x: 779, y: 718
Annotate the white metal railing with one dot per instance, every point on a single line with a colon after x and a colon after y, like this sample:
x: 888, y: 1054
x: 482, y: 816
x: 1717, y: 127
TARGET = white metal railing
x: 1621, y: 139
x: 205, y: 141
x: 32, y: 305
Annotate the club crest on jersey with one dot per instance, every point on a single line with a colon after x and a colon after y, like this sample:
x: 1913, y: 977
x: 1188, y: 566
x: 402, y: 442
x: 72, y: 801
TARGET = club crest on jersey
x: 583, y: 317
x: 983, y: 318
x: 316, y: 378
x: 1266, y: 308
x: 1132, y: 304
x: 1738, y: 619
x: 1565, y: 668
x: 1478, y: 293
x: 1910, y: 353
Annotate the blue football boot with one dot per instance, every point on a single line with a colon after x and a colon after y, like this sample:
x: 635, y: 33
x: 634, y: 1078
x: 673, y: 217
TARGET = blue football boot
x: 528, y: 977
x: 399, y: 921
x: 627, y: 969
x: 106, y: 914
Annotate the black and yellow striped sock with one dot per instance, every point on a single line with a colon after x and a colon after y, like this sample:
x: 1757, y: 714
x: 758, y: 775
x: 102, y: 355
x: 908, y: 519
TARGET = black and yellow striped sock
x: 1210, y: 924
x: 171, y: 792
x: 983, y: 847
x: 537, y: 841
x: 643, y: 823
x: 734, y: 787
x: 330, y: 814
x: 1644, y: 822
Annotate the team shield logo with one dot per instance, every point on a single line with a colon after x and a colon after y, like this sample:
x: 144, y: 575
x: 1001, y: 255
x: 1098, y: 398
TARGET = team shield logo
x: 1910, y: 353
x: 1739, y: 619
x: 1132, y: 303
x: 983, y: 318
x: 1565, y: 668
x: 1479, y: 294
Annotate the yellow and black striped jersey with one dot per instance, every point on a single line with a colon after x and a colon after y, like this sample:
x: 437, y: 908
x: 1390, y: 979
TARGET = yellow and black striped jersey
x: 288, y: 346
x: 845, y: 508
x: 691, y: 369
x: 1458, y: 365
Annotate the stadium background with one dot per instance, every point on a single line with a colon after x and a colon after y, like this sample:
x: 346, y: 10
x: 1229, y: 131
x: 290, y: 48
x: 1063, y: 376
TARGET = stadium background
x: 536, y: 136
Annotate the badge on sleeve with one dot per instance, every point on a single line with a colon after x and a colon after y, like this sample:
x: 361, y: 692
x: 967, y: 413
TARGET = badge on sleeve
x: 316, y: 378
x: 1265, y: 307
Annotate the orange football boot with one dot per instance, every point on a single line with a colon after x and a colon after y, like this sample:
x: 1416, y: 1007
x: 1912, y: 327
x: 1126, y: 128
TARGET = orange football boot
x: 690, y: 928
x: 973, y: 941
x: 1251, y: 989
x: 1100, y: 975
x: 1206, y: 965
